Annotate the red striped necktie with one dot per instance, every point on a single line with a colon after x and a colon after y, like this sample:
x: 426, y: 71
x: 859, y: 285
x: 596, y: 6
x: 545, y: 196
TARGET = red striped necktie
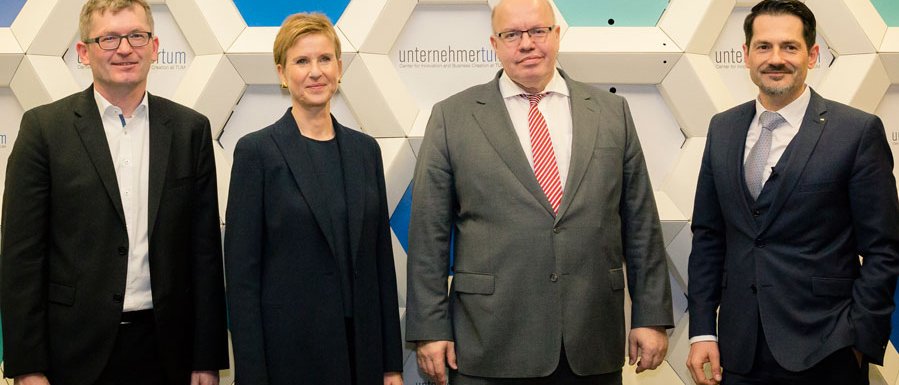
x: 545, y: 167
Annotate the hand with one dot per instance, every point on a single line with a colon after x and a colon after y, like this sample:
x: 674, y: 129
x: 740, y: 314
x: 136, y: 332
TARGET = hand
x: 31, y: 379
x: 700, y: 353
x: 204, y: 377
x: 393, y: 378
x: 650, y: 344
x: 433, y: 356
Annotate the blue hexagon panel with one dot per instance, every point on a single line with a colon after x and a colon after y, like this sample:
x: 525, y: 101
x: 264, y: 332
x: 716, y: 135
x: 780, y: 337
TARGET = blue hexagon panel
x: 889, y: 11
x: 618, y: 13
x: 9, y: 9
x: 271, y: 13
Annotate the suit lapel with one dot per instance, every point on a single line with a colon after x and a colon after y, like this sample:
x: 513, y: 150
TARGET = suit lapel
x: 803, y: 144
x: 160, y: 145
x: 493, y: 117
x: 584, y: 125
x: 296, y: 155
x: 736, y: 142
x: 90, y: 128
x: 353, y: 180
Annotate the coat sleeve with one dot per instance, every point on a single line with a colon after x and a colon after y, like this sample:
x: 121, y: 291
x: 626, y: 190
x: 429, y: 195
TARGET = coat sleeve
x: 706, y: 264
x: 390, y: 321
x: 23, y: 268
x: 210, y: 324
x: 244, y: 233
x: 875, y: 219
x: 641, y: 234
x: 433, y: 199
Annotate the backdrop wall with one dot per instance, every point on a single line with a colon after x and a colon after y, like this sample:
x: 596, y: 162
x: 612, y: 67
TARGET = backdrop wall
x: 678, y: 62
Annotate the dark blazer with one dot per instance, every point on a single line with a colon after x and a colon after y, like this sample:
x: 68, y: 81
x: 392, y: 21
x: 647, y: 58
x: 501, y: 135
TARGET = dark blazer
x: 65, y: 245
x: 287, y: 320
x: 527, y: 280
x: 793, y: 267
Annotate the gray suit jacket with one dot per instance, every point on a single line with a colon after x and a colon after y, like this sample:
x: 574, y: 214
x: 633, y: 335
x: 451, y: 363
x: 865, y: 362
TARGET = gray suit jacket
x: 527, y: 281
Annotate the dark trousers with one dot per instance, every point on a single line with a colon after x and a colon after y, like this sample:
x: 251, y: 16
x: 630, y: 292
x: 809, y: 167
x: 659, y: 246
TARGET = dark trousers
x: 839, y: 368
x: 563, y: 375
x: 135, y: 357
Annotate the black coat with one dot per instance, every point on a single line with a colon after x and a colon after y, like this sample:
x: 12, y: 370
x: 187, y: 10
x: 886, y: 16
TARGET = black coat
x: 65, y: 241
x: 287, y: 319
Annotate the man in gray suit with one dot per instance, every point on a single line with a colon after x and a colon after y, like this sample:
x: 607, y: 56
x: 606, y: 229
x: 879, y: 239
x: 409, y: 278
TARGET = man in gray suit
x: 544, y: 201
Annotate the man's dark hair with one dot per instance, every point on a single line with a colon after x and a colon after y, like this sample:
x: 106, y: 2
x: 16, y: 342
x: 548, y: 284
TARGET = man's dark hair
x: 783, y: 7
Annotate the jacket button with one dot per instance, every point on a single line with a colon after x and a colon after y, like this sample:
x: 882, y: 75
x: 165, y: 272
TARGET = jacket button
x: 123, y: 251
x: 759, y: 243
x: 117, y: 298
x: 553, y: 277
x: 556, y: 230
x: 756, y: 213
x: 754, y: 289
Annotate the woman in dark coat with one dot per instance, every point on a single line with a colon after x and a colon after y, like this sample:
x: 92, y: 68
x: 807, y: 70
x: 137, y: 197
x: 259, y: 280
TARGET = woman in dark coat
x: 311, y: 282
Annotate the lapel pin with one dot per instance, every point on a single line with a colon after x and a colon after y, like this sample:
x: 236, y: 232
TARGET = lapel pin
x: 821, y: 120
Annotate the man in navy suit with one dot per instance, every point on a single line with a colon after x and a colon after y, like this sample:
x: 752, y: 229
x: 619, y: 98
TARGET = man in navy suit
x: 793, y: 188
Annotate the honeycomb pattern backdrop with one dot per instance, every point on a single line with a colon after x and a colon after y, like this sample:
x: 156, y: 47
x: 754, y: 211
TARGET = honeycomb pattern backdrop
x: 678, y: 62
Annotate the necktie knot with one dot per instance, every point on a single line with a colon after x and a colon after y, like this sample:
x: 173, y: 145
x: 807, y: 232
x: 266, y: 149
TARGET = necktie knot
x: 534, y: 98
x: 771, y: 120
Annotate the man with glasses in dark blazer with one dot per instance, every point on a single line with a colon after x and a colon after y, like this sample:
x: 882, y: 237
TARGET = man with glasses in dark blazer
x: 111, y: 269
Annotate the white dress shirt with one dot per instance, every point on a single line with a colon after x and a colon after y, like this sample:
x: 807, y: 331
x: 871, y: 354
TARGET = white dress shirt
x: 556, y: 110
x: 780, y: 139
x: 129, y: 145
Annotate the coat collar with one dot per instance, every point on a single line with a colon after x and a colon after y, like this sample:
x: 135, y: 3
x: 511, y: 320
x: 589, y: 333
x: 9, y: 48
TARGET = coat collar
x: 493, y: 117
x: 296, y: 154
x: 89, y: 126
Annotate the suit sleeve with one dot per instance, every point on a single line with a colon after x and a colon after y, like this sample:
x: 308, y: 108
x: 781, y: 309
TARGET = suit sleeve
x: 390, y: 321
x: 875, y: 218
x: 23, y: 269
x: 244, y: 223
x: 210, y: 324
x: 433, y: 199
x: 644, y: 251
x: 706, y: 264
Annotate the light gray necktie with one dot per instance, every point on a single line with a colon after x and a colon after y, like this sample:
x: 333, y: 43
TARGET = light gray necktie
x: 758, y: 155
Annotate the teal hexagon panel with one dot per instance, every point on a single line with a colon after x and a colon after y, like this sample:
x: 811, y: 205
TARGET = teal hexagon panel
x: 271, y: 13
x: 608, y: 13
x: 889, y: 11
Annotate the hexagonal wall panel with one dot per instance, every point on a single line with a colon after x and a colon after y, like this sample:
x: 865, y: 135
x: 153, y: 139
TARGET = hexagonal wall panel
x: 274, y: 11
x: 8, y: 12
x: 587, y: 13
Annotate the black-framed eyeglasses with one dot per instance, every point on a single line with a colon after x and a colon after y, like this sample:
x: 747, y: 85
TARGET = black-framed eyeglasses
x: 537, y: 34
x: 111, y: 42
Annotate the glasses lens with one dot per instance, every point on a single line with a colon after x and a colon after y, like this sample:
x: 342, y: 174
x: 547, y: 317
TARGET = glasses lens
x: 109, y: 42
x: 138, y: 39
x: 510, y: 36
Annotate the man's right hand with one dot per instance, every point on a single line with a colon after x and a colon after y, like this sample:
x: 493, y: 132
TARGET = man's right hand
x: 700, y: 353
x: 31, y: 379
x: 433, y: 356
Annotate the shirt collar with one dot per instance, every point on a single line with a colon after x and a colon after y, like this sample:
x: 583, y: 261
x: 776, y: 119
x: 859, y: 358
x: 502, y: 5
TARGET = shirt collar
x: 105, y: 107
x: 794, y: 112
x: 508, y: 88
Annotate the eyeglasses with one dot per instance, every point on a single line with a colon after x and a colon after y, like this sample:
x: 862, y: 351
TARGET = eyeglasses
x: 111, y: 42
x: 537, y: 34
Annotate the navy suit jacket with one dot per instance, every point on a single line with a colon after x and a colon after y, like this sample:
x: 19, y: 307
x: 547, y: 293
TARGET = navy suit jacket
x: 287, y: 319
x: 793, y: 266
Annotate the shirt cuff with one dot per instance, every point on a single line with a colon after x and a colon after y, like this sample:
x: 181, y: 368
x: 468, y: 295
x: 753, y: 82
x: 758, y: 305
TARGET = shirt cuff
x: 703, y: 338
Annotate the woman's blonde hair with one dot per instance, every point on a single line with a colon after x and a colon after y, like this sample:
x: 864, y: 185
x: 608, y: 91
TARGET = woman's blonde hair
x: 302, y: 24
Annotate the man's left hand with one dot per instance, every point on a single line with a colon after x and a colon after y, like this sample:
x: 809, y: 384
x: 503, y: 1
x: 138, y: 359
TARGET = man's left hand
x: 647, y: 347
x: 204, y: 377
